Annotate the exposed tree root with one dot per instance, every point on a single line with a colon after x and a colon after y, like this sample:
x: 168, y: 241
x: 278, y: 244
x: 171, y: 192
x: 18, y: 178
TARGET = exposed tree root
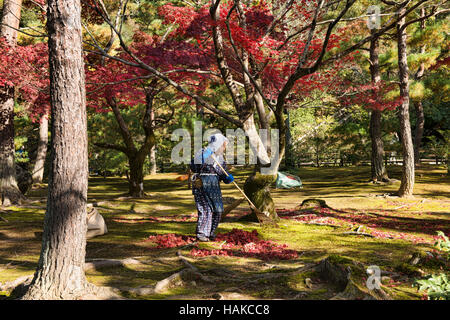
x: 313, y: 202
x: 8, y: 286
x: 89, y: 291
x: 359, y: 234
x: 324, y: 224
x: 97, y: 264
x: 343, y: 273
x: 11, y: 196
x: 190, y: 273
x: 343, y: 276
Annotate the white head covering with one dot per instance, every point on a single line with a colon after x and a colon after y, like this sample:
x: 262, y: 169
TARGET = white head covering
x: 215, y: 142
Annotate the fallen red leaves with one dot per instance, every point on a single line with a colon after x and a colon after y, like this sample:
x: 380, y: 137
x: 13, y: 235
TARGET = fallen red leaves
x: 234, y: 243
x: 170, y: 240
x: 247, y: 244
x: 372, y: 222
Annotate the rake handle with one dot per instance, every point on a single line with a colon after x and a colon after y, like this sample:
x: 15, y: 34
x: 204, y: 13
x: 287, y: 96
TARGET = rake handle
x: 243, y: 193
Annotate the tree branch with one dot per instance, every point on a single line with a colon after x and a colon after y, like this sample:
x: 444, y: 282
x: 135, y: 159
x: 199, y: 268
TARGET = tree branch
x: 124, y: 131
x: 111, y: 146
x: 160, y: 75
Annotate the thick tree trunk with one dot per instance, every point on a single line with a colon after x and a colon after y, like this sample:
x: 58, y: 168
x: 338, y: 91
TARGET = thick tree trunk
x: 257, y: 189
x: 257, y: 186
x: 10, y: 20
x: 38, y: 171
x: 9, y: 191
x: 379, y: 172
x: 407, y: 181
x: 60, y: 271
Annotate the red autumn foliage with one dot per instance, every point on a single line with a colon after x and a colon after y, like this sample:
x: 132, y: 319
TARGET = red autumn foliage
x: 170, y: 240
x: 215, y: 252
x: 372, y: 96
x: 247, y: 244
x: 273, y: 53
x: 375, y: 225
x: 238, y: 237
x: 237, y: 242
x: 26, y: 68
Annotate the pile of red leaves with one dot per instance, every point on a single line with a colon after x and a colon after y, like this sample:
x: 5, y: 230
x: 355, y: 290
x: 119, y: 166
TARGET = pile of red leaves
x: 170, y: 240
x: 267, y: 250
x: 238, y: 237
x: 247, y: 244
x: 234, y: 243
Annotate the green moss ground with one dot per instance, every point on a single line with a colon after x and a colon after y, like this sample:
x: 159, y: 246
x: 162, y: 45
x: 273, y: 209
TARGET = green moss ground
x: 344, y: 189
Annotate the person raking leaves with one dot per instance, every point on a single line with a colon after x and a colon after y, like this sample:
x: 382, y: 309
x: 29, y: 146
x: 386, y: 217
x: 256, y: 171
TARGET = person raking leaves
x: 206, y: 185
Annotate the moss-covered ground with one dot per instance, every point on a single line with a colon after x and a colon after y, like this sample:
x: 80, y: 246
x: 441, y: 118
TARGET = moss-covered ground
x: 399, y: 227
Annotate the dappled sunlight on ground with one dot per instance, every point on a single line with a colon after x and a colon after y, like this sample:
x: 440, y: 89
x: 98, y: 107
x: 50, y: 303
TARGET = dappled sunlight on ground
x: 390, y: 231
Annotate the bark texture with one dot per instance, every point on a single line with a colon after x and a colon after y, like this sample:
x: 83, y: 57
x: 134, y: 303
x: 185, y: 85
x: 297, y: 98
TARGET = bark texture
x: 38, y: 171
x: 9, y: 191
x: 407, y: 181
x: 60, y: 271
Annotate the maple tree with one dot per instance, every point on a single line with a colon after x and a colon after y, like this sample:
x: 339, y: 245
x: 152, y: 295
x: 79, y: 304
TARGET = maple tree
x: 26, y: 69
x: 114, y: 86
x: 266, y: 55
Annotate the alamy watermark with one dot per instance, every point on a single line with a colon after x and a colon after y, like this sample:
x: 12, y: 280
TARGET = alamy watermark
x: 374, y: 19
x: 374, y: 279
x: 259, y: 142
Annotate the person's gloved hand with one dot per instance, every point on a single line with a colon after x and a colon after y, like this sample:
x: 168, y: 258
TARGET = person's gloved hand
x: 229, y: 179
x: 207, y: 153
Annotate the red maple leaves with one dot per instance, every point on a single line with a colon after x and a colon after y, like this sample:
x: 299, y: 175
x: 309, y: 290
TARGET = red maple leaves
x: 386, y: 226
x: 170, y: 240
x: 26, y: 68
x: 237, y: 242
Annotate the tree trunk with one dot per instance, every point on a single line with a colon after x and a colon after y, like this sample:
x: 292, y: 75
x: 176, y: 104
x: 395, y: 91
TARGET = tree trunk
x: 418, y: 132
x: 257, y: 189
x: 10, y: 20
x: 60, y: 271
x: 420, y: 117
x: 257, y: 186
x: 153, y: 148
x: 153, y: 161
x: 379, y: 172
x: 407, y: 181
x: 136, y: 181
x: 9, y: 190
x: 38, y: 171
